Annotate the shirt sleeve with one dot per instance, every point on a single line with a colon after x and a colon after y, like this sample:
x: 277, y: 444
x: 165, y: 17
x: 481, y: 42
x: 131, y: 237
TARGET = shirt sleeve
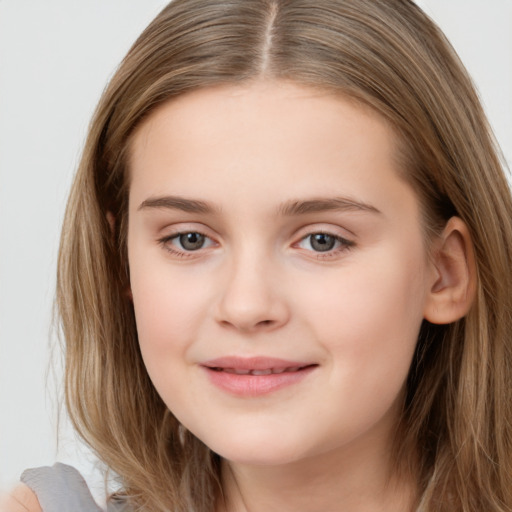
x: 60, y: 488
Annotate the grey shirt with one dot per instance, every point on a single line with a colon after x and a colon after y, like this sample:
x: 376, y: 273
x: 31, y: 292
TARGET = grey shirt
x: 61, y: 488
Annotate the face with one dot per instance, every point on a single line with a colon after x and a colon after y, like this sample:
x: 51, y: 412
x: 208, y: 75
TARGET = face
x: 278, y: 269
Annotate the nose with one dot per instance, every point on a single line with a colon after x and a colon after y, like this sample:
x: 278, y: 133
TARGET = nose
x: 252, y: 299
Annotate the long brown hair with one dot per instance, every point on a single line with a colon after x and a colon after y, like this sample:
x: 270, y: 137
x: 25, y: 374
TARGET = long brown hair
x: 389, y: 55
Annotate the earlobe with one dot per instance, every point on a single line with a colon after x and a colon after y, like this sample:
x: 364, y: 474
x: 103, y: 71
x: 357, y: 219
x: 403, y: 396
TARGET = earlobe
x: 111, y: 222
x: 453, y: 284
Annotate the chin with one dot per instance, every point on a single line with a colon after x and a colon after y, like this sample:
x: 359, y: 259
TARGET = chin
x: 260, y: 458
x: 255, y: 451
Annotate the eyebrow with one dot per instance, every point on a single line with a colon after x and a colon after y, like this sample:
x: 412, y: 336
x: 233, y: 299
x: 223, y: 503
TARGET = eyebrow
x: 178, y: 203
x: 289, y: 208
x: 315, y: 205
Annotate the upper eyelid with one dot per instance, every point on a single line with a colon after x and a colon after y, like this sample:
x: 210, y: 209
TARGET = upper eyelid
x: 342, y: 240
x: 332, y: 229
x: 298, y: 234
x: 176, y: 234
x: 170, y: 231
x: 328, y: 233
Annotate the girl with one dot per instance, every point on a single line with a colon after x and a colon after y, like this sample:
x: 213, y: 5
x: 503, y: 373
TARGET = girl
x: 284, y: 270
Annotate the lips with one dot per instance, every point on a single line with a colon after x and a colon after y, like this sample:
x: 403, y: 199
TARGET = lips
x: 255, y: 375
x: 267, y: 371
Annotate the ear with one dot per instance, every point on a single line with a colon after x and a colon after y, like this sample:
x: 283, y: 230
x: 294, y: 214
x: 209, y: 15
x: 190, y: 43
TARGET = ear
x: 453, y: 284
x: 111, y: 222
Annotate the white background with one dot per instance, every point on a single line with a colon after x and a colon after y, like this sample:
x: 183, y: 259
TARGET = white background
x: 55, y: 58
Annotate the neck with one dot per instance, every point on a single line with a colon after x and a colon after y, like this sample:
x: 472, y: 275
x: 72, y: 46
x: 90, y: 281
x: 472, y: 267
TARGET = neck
x: 337, y: 481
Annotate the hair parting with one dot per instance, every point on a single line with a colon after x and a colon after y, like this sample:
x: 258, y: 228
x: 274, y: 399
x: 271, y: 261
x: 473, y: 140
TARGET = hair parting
x: 455, y: 431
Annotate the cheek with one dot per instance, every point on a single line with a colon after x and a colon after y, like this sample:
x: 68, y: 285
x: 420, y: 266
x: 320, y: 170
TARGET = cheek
x: 168, y: 308
x: 167, y: 313
x: 368, y: 323
x: 369, y: 315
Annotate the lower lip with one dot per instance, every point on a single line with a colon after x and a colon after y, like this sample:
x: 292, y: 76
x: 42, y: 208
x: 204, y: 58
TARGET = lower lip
x: 256, y: 385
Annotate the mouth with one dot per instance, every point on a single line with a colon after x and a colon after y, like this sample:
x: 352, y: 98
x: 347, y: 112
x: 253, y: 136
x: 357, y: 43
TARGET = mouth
x: 250, y: 377
x: 266, y: 371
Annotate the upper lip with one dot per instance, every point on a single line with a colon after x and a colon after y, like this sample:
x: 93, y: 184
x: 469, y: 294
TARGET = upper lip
x: 254, y: 363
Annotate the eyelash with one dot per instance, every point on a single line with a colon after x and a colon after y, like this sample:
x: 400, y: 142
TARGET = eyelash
x: 165, y: 242
x: 344, y: 244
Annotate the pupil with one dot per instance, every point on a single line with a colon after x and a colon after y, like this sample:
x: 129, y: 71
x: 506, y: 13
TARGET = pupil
x: 191, y: 241
x: 322, y: 242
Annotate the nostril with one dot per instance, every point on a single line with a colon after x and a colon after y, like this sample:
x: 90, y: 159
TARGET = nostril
x: 251, y: 312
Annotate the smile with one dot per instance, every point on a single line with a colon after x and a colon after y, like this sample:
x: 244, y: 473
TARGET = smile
x: 251, y: 377
x: 268, y: 371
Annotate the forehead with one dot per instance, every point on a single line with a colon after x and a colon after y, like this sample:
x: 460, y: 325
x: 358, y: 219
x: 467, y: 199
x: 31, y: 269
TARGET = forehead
x: 263, y: 136
x: 285, y: 101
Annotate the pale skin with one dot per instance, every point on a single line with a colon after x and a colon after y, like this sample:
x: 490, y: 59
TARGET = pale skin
x: 21, y: 499
x: 307, y: 245
x: 258, y: 171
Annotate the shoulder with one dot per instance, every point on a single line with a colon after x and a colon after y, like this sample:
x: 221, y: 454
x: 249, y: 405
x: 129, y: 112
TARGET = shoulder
x: 59, y: 488
x: 20, y: 499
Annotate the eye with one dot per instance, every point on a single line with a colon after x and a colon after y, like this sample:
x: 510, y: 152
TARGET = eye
x: 324, y: 242
x: 190, y: 241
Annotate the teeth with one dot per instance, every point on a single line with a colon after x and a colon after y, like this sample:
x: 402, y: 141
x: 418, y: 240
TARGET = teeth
x: 241, y: 372
x: 267, y: 371
x: 262, y: 372
x: 236, y: 371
